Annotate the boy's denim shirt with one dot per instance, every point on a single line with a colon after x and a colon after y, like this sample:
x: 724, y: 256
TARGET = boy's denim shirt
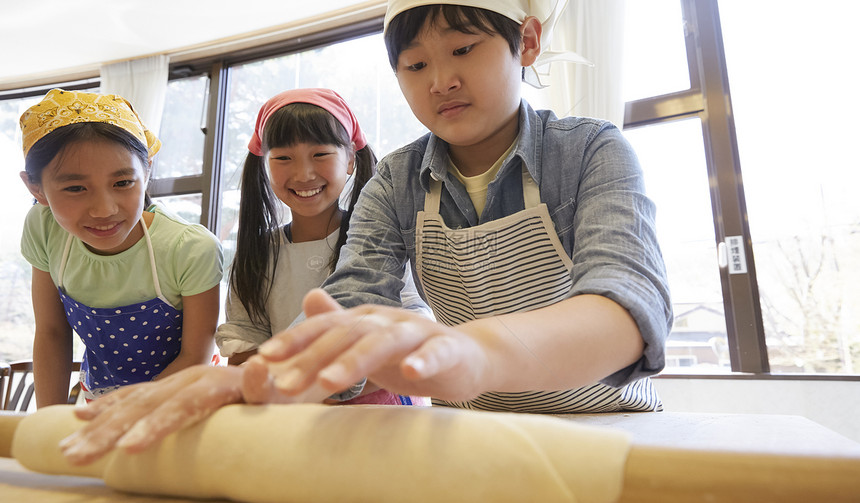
x: 592, y: 184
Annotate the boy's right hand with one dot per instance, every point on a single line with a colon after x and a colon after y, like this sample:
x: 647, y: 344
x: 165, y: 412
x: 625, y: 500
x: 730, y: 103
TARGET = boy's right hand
x: 399, y: 350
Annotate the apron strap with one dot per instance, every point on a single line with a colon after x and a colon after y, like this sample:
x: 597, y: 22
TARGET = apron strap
x: 66, y: 250
x: 152, y: 267
x: 531, y: 192
x: 431, y: 200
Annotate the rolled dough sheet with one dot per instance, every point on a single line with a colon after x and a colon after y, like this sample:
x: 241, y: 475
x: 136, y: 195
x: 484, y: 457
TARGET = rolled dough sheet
x: 311, y: 452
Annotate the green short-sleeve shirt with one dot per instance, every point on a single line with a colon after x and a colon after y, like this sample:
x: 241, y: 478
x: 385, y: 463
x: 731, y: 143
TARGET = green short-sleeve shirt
x: 188, y: 258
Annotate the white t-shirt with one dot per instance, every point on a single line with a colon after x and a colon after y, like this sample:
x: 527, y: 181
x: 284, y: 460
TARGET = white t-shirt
x: 301, y: 268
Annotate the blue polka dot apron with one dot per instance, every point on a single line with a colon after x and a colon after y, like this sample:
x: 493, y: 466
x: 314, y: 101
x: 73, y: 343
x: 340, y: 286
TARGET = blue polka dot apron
x: 510, y: 265
x: 127, y: 344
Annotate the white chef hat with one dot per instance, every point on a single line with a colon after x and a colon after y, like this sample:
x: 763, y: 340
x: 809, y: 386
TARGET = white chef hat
x: 546, y: 11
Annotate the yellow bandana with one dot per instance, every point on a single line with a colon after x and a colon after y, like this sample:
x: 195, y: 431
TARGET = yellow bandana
x: 60, y: 108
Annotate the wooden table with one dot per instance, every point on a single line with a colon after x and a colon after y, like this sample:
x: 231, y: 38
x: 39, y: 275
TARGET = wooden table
x: 674, y: 457
x: 20, y: 485
x: 750, y: 433
x: 734, y: 458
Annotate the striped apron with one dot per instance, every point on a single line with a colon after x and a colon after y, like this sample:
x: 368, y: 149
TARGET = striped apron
x: 513, y: 264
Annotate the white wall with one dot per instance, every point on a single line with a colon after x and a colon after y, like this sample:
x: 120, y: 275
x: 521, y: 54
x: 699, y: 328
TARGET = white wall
x: 834, y: 404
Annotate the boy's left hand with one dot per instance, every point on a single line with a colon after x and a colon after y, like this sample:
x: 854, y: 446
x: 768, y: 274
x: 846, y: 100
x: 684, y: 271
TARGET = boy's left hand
x: 403, y: 352
x: 137, y: 416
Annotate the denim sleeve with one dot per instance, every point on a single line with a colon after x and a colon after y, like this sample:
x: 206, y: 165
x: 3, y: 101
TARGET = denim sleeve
x: 372, y: 262
x: 615, y: 251
x: 371, y: 267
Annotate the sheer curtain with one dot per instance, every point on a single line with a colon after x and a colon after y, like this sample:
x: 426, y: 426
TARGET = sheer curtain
x: 143, y: 82
x: 594, y: 29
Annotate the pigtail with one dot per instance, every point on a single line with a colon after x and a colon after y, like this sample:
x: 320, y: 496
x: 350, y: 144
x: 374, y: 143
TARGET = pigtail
x: 365, y: 167
x: 257, y: 240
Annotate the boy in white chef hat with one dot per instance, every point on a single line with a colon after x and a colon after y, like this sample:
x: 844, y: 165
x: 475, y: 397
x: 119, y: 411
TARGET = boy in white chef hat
x: 531, y: 237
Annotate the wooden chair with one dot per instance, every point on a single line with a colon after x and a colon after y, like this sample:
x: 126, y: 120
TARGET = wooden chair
x: 20, y: 386
x: 4, y: 375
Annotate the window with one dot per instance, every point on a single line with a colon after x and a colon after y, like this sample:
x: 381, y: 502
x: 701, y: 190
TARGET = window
x: 183, y: 123
x: 728, y: 160
x: 16, y: 310
x: 655, y: 57
x: 795, y: 109
x: 16, y: 313
x: 672, y: 155
x: 177, y: 179
x: 665, y: 123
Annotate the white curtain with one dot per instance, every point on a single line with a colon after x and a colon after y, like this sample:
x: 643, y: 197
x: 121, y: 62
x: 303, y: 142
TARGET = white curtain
x: 143, y: 82
x: 594, y: 29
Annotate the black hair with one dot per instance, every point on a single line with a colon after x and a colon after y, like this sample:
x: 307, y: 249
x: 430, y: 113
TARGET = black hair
x: 258, y: 240
x: 407, y: 25
x: 47, y: 148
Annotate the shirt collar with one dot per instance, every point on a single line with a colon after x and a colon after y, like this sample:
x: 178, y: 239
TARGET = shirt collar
x: 435, y: 161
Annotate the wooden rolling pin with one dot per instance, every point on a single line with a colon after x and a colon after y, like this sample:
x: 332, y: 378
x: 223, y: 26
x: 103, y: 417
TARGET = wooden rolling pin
x: 669, y: 475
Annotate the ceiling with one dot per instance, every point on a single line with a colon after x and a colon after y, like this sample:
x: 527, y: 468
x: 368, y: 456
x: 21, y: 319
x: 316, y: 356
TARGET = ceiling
x: 45, y: 38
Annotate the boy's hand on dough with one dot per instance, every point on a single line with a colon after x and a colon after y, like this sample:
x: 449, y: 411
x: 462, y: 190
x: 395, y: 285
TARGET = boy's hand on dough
x: 399, y: 350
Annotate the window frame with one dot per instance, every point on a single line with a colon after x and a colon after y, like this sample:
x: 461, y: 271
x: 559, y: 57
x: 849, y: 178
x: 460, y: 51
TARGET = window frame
x: 217, y: 67
x: 709, y: 100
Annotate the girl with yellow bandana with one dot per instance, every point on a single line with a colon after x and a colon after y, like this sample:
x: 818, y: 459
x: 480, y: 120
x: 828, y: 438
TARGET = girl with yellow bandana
x: 138, y: 285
